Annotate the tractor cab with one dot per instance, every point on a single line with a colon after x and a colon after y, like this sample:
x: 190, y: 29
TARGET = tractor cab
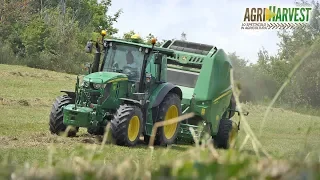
x: 123, y: 58
x: 140, y: 63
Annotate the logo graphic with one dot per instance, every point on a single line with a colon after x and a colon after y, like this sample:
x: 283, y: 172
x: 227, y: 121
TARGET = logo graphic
x: 276, y: 18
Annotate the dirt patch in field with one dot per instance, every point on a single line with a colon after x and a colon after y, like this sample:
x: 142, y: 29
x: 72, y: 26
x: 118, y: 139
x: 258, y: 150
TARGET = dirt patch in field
x: 41, y: 139
x: 45, y: 139
x: 26, y: 102
x: 4, y: 140
x: 28, y: 74
x: 37, y: 75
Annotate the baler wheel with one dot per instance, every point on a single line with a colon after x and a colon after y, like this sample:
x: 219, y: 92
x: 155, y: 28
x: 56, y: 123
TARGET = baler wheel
x: 127, y: 125
x: 56, y: 116
x: 226, y: 134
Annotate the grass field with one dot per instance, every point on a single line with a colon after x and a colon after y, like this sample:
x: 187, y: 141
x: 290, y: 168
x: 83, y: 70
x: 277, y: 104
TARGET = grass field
x: 26, y: 96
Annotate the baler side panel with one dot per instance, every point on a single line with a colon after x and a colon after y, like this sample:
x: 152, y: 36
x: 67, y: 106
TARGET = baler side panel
x: 213, y: 89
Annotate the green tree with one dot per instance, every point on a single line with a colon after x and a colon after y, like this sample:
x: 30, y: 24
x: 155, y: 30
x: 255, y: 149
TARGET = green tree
x: 14, y: 16
x: 89, y: 13
x: 51, y: 34
x: 128, y: 35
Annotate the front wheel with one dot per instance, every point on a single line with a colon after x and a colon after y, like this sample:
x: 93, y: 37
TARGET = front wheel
x: 56, y: 116
x: 126, y: 126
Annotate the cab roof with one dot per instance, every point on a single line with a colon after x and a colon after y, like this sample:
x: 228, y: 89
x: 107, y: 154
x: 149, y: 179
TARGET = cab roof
x: 168, y: 52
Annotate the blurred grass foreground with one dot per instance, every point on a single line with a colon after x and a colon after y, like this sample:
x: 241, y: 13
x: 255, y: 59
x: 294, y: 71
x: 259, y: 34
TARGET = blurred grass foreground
x: 199, y: 162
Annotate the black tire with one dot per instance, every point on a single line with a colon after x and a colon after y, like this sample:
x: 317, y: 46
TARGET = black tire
x: 96, y: 130
x: 56, y: 125
x: 222, y: 139
x: 232, y: 106
x: 120, y: 124
x: 171, y: 99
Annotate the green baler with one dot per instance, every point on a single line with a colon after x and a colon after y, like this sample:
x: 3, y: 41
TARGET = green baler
x: 202, y: 72
x: 165, y: 82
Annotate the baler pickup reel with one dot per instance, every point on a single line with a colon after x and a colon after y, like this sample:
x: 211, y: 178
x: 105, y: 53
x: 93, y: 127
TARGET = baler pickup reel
x: 189, y: 54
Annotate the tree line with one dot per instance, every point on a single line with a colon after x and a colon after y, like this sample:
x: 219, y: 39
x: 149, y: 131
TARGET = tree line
x: 51, y: 34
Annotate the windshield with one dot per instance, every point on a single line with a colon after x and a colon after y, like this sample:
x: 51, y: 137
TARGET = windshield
x: 182, y: 78
x: 125, y: 59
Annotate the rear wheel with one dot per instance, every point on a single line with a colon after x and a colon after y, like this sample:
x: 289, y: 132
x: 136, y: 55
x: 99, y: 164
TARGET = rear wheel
x: 227, y: 133
x: 126, y: 126
x: 56, y: 116
x: 170, y: 108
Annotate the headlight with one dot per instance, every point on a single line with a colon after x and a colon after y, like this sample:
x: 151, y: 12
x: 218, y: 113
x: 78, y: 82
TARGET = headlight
x: 98, y: 86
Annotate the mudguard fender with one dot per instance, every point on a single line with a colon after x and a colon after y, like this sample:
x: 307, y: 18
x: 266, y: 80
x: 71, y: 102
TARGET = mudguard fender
x: 72, y: 94
x: 161, y: 91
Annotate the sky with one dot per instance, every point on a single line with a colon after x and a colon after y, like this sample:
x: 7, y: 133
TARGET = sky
x: 211, y: 22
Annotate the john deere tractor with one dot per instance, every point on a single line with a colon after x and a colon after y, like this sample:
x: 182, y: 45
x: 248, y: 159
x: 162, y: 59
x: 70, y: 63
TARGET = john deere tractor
x: 135, y: 85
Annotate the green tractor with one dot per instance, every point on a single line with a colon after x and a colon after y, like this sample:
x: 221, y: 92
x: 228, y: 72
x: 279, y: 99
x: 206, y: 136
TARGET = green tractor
x: 136, y: 85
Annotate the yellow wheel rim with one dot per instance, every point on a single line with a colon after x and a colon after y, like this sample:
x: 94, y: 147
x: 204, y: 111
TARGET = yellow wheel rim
x: 169, y: 130
x: 134, y: 127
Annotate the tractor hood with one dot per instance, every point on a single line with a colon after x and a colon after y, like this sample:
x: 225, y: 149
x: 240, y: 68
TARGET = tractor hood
x: 104, y: 77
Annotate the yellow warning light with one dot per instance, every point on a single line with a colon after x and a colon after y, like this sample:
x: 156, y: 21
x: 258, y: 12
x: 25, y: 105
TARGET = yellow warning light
x: 103, y: 32
x: 135, y: 36
x: 153, y: 40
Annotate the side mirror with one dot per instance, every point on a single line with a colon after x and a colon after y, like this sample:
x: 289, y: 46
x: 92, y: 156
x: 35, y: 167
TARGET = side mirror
x: 87, y: 67
x: 89, y: 46
x: 158, y: 58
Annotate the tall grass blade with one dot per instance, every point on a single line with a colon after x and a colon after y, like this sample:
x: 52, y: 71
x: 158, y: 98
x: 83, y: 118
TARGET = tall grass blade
x: 282, y: 87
